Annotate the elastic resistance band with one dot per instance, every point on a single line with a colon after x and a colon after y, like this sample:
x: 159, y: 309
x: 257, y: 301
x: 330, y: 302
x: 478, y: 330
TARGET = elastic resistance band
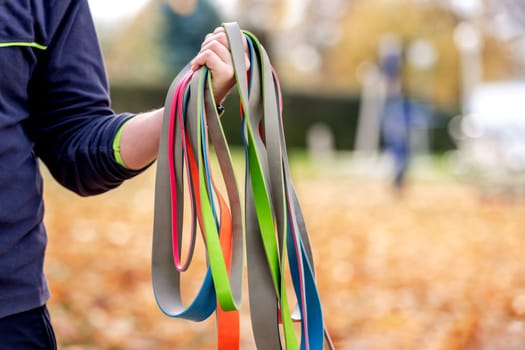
x: 271, y: 232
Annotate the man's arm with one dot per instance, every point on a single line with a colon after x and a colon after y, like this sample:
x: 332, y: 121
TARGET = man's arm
x: 70, y: 121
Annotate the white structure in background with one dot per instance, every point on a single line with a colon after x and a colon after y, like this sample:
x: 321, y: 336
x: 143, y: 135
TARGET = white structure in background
x: 373, y: 91
x: 490, y: 133
x: 469, y: 42
x: 320, y: 143
x: 422, y: 57
x: 367, y: 158
x: 491, y: 137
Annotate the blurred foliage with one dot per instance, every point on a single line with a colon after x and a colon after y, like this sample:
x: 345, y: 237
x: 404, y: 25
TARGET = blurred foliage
x: 132, y: 54
x: 369, y: 21
x: 360, y: 27
x: 160, y: 40
x: 144, y: 56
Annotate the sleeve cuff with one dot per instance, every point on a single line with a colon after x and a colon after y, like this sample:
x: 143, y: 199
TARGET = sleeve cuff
x: 116, y: 146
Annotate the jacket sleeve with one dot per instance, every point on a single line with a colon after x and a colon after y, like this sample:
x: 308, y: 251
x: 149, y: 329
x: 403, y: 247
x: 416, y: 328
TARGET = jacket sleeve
x: 71, y: 123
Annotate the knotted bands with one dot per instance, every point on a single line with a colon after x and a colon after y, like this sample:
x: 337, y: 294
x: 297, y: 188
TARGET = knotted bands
x: 272, y: 229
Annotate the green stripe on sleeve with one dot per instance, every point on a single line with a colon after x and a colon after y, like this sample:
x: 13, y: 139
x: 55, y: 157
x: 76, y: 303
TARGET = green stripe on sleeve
x: 23, y: 43
x: 116, y: 146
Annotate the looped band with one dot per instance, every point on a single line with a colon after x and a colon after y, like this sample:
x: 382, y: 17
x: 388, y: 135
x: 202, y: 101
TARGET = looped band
x: 270, y: 232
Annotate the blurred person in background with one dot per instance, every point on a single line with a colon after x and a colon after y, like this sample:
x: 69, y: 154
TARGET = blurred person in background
x: 396, y: 116
x: 54, y: 105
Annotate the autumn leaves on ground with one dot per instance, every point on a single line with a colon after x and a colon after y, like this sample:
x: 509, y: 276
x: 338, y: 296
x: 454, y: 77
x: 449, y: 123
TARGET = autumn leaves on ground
x: 437, y: 268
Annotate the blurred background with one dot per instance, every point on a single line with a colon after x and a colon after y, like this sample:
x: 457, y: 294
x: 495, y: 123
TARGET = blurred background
x: 406, y: 126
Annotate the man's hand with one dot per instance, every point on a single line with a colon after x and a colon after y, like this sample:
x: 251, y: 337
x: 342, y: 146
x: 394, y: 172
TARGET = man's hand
x: 139, y: 142
x: 215, y: 54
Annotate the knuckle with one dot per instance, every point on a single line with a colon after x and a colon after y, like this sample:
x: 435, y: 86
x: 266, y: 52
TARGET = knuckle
x: 222, y: 38
x: 214, y: 46
x: 207, y: 53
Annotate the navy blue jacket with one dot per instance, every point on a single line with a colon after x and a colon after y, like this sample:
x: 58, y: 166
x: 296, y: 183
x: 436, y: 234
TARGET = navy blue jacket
x: 54, y: 105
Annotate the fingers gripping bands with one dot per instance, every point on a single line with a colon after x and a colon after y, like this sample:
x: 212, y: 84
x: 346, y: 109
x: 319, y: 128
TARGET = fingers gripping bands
x: 276, y: 243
